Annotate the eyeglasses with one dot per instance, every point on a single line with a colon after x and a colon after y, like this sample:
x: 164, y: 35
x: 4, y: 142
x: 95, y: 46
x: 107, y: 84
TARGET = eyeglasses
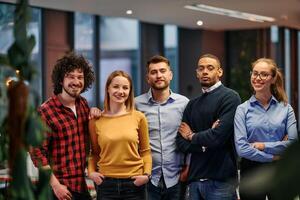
x: 262, y: 75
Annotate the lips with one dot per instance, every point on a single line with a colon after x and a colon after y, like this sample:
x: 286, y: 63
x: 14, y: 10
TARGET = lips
x: 119, y: 97
x: 205, y: 79
x: 75, y: 86
x: 257, y: 84
x: 159, y: 81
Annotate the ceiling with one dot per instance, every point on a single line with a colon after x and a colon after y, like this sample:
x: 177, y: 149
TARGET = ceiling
x: 285, y: 12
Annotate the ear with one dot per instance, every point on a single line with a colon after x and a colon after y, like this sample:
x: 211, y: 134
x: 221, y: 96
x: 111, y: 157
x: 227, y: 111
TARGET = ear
x: 147, y: 78
x: 220, y: 72
x: 171, y: 75
x: 197, y: 75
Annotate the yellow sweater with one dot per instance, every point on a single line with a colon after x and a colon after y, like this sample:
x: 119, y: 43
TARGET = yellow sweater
x: 124, y: 146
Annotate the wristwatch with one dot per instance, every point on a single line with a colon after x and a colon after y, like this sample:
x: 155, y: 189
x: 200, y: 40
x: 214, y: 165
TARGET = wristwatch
x: 149, y: 176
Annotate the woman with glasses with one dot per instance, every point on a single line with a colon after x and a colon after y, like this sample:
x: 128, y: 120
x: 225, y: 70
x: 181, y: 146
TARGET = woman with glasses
x: 265, y: 124
x: 120, y: 162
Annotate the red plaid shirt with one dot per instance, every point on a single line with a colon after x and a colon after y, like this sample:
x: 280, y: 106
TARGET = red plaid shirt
x: 66, y: 145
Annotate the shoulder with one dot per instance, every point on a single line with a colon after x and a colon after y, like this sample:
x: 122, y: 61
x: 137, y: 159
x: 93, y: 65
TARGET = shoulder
x: 47, y: 105
x: 229, y: 95
x: 285, y: 107
x: 192, y: 102
x: 230, y: 92
x: 83, y: 100
x: 180, y: 97
x: 289, y: 107
x: 244, y: 106
x: 141, y: 98
x: 138, y: 114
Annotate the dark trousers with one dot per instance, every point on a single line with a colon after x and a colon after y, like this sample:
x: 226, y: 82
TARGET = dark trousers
x: 120, y: 189
x: 76, y: 196
x: 184, y: 191
x: 161, y: 192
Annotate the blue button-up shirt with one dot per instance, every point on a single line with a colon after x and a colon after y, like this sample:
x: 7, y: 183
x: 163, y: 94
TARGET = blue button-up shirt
x: 164, y: 120
x: 254, y: 123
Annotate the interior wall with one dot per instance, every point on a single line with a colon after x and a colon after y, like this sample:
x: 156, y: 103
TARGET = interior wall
x: 213, y: 43
x: 152, y: 43
x: 189, y: 50
x: 56, y: 41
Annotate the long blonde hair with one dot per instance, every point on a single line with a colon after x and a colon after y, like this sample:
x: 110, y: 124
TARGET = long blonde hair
x: 129, y: 103
x: 277, y: 89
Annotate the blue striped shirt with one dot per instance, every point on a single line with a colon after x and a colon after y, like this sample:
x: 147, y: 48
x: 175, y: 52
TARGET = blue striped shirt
x: 164, y: 120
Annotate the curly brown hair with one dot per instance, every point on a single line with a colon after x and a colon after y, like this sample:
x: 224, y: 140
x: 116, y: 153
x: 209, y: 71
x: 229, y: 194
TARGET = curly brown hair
x: 67, y: 64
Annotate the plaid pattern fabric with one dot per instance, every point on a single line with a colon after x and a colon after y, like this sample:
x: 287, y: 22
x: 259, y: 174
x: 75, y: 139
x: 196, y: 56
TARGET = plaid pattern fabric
x: 66, y: 145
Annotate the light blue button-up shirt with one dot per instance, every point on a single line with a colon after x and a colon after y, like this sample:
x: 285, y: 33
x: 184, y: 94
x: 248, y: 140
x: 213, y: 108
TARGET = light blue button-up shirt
x: 164, y: 120
x: 254, y: 123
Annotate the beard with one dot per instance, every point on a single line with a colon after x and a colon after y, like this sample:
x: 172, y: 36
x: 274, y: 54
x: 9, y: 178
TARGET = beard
x: 72, y: 92
x: 206, y: 84
x: 210, y: 82
x: 159, y: 87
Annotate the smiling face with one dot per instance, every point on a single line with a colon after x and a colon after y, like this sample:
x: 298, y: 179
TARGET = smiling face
x: 261, y: 77
x: 208, y: 71
x: 73, y: 83
x: 118, y: 90
x: 159, y: 76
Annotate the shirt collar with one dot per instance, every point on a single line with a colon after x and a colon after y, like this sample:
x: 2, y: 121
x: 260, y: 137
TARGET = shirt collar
x: 59, y: 104
x: 211, y: 88
x: 171, y: 98
x: 57, y: 101
x: 253, y: 100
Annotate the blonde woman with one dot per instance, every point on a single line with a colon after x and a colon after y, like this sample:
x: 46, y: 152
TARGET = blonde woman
x: 265, y: 124
x: 120, y: 162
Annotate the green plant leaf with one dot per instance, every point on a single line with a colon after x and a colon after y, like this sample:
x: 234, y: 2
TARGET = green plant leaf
x: 35, y: 129
x: 21, y: 186
x: 16, y: 56
x: 3, y: 142
x: 281, y: 179
x: 287, y: 174
x: 31, y: 43
x: 42, y: 187
x: 4, y: 60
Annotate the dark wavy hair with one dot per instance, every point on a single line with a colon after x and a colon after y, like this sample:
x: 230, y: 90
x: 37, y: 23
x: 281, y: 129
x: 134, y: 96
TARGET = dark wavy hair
x: 67, y: 64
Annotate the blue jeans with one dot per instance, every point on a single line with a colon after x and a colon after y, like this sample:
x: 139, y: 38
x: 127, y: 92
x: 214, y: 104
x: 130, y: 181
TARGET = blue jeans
x: 161, y: 192
x: 121, y: 189
x: 212, y: 190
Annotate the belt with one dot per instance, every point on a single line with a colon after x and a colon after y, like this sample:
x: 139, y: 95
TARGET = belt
x: 203, y: 179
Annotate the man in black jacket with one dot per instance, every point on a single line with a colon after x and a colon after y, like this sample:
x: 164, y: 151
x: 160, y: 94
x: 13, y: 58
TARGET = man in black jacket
x: 207, y: 133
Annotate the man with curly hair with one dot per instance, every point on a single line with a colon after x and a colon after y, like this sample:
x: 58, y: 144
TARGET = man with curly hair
x: 67, y: 114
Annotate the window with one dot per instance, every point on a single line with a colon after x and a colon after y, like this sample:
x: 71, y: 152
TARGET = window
x: 171, y: 52
x: 6, y: 40
x: 287, y: 62
x: 119, y: 47
x: 84, y: 45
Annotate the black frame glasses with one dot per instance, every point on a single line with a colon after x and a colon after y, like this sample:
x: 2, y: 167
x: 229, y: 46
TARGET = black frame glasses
x: 261, y: 75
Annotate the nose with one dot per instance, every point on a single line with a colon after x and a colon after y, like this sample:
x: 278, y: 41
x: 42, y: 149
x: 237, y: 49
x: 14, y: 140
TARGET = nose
x: 205, y: 70
x: 76, y: 81
x: 121, y: 91
x: 159, y: 74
